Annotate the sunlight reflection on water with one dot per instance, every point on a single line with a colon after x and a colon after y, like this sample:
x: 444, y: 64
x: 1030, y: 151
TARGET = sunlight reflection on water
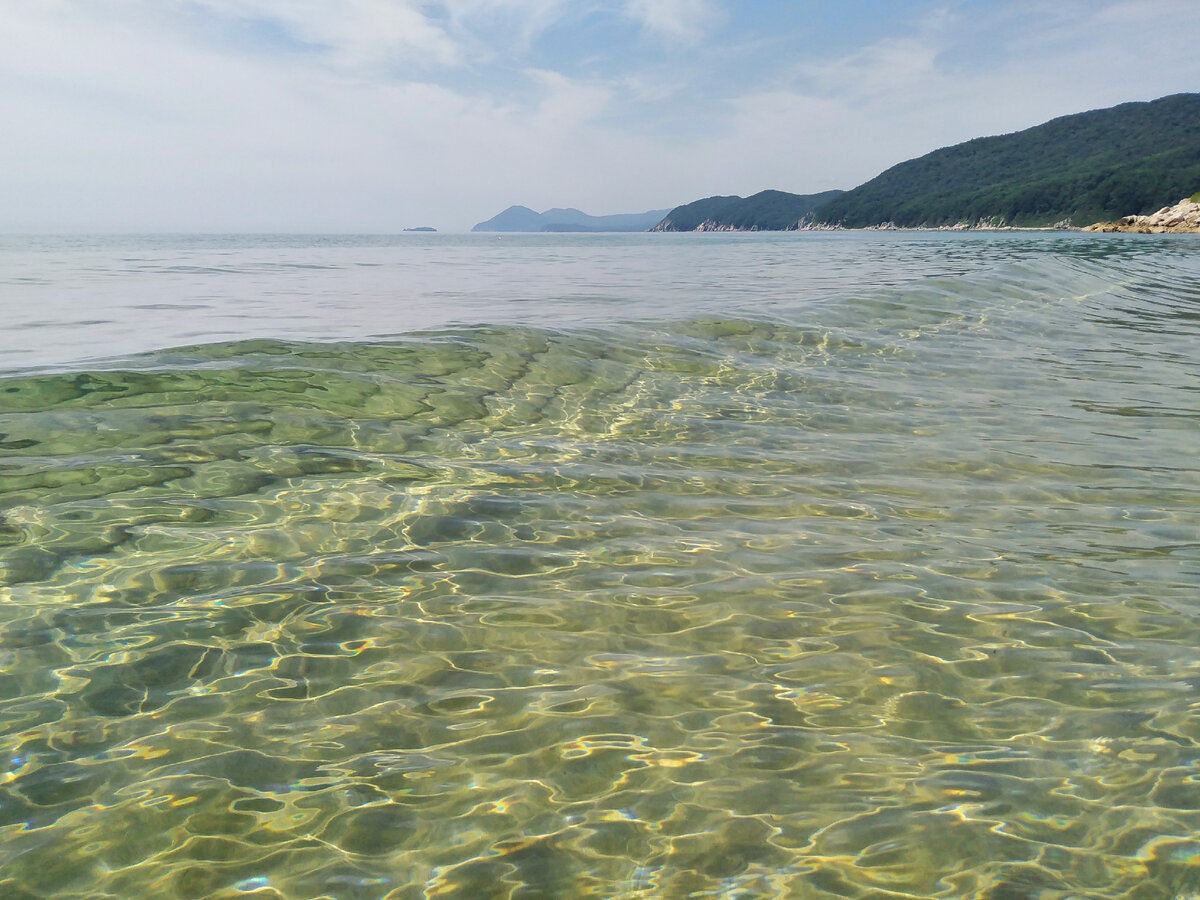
x: 879, y: 582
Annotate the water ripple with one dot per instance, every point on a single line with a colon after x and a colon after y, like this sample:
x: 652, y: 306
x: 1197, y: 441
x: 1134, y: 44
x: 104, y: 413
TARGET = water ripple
x: 890, y: 596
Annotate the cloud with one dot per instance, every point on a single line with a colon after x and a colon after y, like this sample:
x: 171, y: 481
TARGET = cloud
x: 973, y: 70
x: 352, y: 33
x: 686, y: 21
x: 126, y: 124
x: 875, y: 73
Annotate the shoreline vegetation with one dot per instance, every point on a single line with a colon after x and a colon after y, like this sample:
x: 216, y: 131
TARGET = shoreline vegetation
x: 1181, y: 218
x: 981, y: 225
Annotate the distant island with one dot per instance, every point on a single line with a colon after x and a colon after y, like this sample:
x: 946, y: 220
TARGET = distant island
x: 421, y: 228
x: 522, y: 218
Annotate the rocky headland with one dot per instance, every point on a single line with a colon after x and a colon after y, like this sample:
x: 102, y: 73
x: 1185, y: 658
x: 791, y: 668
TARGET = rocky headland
x: 1184, y: 216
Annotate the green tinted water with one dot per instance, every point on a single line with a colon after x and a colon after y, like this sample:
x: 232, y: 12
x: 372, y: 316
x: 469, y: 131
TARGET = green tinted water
x: 895, y: 596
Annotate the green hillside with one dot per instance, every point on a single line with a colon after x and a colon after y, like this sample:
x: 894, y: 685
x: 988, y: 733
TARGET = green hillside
x: 1098, y: 165
x: 764, y: 211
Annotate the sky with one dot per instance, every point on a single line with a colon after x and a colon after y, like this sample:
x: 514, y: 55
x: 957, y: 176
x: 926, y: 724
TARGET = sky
x: 372, y: 116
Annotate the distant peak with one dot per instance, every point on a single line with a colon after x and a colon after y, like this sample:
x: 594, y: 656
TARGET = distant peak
x: 522, y: 218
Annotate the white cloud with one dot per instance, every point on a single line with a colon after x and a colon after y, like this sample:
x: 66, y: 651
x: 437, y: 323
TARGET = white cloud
x: 354, y: 33
x: 127, y: 125
x: 875, y: 73
x: 686, y: 21
x: 533, y: 16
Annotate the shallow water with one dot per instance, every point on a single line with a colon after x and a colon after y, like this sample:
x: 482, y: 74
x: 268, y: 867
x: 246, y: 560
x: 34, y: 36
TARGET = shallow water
x: 614, y: 566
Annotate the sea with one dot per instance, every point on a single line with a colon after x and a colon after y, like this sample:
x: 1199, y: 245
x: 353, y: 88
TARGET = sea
x: 804, y: 565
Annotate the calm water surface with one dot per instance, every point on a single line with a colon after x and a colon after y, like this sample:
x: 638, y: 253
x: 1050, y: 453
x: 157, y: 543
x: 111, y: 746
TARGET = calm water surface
x: 825, y: 565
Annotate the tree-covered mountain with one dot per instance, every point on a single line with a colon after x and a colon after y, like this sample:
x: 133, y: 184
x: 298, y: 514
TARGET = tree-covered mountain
x: 764, y: 211
x: 1103, y: 164
x: 522, y: 218
x: 1099, y: 165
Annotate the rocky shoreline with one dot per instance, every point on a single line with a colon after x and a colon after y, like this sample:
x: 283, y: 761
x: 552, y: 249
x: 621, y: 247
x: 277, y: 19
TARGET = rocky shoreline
x: 804, y: 225
x: 1183, y: 217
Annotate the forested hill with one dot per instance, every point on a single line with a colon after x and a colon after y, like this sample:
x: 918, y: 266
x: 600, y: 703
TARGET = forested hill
x: 1098, y: 165
x: 766, y: 211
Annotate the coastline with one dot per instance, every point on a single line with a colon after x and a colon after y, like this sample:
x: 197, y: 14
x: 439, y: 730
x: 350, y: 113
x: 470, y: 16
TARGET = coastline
x: 1182, y: 218
x: 709, y: 227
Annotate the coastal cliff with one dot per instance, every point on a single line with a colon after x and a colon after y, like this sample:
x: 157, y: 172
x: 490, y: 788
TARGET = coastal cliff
x: 1184, y: 217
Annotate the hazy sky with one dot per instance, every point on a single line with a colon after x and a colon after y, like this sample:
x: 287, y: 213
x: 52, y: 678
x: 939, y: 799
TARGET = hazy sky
x: 376, y: 115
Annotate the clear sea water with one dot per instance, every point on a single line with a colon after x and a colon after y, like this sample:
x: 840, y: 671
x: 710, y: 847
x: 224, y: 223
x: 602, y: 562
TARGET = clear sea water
x: 814, y: 565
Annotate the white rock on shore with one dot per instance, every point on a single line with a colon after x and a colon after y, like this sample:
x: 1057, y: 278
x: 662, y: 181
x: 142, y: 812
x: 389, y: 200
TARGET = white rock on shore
x: 1184, y: 216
